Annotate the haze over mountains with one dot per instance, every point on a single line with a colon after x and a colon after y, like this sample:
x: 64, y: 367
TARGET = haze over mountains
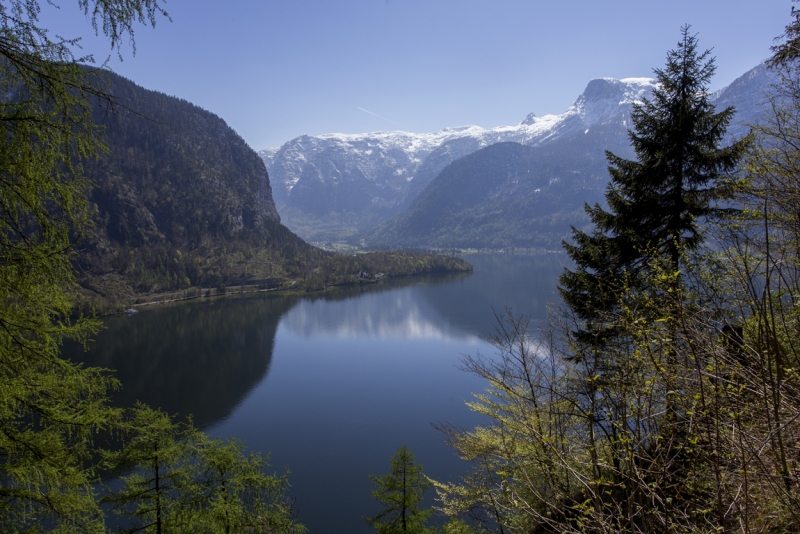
x: 400, y: 189
x: 181, y: 202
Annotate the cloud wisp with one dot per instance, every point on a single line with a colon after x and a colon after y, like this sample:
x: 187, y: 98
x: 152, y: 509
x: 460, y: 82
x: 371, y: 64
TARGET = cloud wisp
x: 375, y: 114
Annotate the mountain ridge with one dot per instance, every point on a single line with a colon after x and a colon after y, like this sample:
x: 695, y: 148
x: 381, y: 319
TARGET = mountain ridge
x: 180, y: 202
x: 342, y: 186
x: 535, y: 203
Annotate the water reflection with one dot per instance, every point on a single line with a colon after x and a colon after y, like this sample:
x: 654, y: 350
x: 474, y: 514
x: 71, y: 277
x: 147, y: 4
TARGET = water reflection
x: 398, y: 315
x: 523, y: 283
x: 331, y: 383
x: 200, y: 357
x: 204, y: 356
x: 435, y: 307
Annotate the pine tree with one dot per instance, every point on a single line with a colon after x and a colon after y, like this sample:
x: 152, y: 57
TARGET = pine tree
x: 234, y: 495
x: 655, y: 203
x: 401, y: 491
x: 154, y: 450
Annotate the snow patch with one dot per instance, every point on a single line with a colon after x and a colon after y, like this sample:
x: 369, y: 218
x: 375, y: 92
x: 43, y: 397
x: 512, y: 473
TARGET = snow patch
x: 391, y: 159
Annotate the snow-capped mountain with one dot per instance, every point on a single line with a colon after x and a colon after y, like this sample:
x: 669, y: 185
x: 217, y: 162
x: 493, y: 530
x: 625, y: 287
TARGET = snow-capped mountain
x: 337, y: 185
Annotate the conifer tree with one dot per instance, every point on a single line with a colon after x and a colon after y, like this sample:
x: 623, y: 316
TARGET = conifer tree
x: 49, y: 407
x: 234, y: 495
x: 177, y: 479
x: 401, y: 491
x: 655, y: 203
x: 786, y: 52
x: 153, y: 492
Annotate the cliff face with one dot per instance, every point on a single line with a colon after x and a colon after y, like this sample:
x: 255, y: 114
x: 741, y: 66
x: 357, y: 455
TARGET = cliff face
x: 173, y: 171
x: 180, y: 199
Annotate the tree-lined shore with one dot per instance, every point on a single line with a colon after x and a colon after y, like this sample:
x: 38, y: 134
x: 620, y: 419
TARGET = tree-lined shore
x: 664, y: 395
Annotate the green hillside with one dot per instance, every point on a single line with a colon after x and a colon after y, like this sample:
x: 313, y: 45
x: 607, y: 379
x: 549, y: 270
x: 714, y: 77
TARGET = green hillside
x: 180, y: 201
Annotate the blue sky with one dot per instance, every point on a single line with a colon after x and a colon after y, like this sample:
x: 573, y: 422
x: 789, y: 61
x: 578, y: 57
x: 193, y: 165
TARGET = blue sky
x: 278, y: 69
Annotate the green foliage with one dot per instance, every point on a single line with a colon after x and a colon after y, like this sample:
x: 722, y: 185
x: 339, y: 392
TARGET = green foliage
x: 236, y: 495
x: 572, y: 449
x: 342, y: 269
x: 530, y: 466
x: 684, y: 419
x: 788, y: 50
x: 154, y: 493
x: 179, y: 480
x: 456, y: 526
x: 49, y: 408
x: 401, y: 492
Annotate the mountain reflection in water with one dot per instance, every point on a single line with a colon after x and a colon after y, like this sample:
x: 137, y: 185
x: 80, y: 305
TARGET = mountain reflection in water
x: 329, y: 383
x: 403, y: 315
x: 438, y: 307
x: 202, y: 357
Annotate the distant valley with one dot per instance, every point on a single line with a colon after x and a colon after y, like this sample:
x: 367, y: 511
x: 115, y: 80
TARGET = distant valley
x: 180, y: 202
x: 399, y: 189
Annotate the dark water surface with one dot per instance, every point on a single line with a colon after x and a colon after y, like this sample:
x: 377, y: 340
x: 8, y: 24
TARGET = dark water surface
x: 330, y: 384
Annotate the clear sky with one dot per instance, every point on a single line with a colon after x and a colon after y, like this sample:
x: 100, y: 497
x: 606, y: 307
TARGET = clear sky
x: 276, y: 69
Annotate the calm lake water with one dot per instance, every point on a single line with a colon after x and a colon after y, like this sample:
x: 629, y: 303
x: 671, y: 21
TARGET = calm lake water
x: 329, y: 384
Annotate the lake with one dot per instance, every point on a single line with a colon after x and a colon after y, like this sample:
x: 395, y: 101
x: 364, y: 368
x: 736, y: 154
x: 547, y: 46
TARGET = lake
x: 330, y: 384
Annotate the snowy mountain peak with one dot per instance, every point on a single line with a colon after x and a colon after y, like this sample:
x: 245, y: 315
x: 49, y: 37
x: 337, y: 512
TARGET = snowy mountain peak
x: 268, y: 154
x: 625, y: 91
x: 747, y: 94
x: 606, y: 98
x: 602, y: 100
x: 387, y: 162
x: 374, y: 175
x: 530, y: 119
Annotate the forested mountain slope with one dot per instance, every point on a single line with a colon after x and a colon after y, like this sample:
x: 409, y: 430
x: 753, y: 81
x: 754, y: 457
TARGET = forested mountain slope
x: 174, y: 170
x: 508, y: 194
x: 181, y: 201
x: 179, y: 198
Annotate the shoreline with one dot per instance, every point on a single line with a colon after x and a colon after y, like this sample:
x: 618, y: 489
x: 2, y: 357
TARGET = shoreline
x: 102, y: 306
